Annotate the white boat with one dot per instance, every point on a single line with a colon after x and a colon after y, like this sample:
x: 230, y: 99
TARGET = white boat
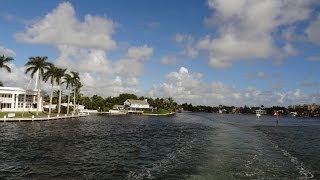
x: 258, y: 115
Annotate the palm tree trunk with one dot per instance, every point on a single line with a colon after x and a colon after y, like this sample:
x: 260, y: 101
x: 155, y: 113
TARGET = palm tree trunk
x: 59, y: 108
x: 68, y: 101
x: 74, y: 100
x: 51, y: 94
x: 38, y: 95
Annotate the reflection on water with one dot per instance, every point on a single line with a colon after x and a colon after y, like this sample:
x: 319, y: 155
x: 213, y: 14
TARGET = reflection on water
x: 185, y: 146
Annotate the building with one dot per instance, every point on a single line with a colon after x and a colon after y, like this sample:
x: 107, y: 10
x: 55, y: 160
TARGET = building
x: 136, y: 105
x: 118, y: 107
x: 14, y: 99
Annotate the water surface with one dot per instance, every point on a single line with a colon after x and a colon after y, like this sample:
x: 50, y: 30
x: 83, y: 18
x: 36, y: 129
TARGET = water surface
x: 184, y: 146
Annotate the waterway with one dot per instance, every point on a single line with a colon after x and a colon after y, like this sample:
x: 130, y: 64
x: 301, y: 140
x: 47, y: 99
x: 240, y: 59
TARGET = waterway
x: 184, y: 146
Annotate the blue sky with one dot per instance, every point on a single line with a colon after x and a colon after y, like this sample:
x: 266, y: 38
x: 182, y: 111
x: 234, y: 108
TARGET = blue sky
x: 204, y: 52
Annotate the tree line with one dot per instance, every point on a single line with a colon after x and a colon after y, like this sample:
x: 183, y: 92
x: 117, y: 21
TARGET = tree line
x: 105, y: 104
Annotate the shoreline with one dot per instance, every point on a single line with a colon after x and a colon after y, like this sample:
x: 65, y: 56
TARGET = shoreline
x: 166, y: 114
x: 41, y: 118
x: 142, y: 114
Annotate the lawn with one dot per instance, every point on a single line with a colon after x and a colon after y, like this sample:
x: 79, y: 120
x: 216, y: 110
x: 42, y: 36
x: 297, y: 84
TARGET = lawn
x: 26, y: 114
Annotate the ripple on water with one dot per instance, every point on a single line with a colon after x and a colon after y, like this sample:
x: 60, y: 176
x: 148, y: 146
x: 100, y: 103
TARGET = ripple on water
x: 185, y: 146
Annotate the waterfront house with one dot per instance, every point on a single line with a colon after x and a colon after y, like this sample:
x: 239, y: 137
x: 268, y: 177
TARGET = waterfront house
x: 136, y: 105
x: 14, y: 99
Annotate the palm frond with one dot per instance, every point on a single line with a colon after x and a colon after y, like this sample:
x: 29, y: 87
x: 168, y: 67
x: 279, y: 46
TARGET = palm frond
x: 7, y: 68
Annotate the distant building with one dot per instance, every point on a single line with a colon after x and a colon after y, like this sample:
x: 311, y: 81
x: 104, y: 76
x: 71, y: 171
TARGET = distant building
x: 118, y: 107
x: 14, y: 99
x: 136, y: 105
x: 261, y: 111
x: 309, y: 107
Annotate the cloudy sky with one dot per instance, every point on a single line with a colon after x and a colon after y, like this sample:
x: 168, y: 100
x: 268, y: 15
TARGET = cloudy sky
x: 231, y: 52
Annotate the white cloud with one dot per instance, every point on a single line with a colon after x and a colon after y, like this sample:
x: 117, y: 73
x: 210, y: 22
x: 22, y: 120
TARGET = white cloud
x: 107, y: 86
x: 245, y: 29
x: 185, y: 86
x: 83, y: 46
x: 84, y: 60
x: 61, y: 27
x: 7, y: 52
x: 17, y: 77
x: 168, y: 60
x: 132, y: 64
x: 187, y: 41
x: 140, y: 53
x: 313, y: 31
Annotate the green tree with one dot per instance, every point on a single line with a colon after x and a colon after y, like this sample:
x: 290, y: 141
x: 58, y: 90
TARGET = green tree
x: 68, y: 82
x: 3, y: 61
x: 50, y: 74
x: 59, y: 75
x: 37, y: 65
x: 75, y: 84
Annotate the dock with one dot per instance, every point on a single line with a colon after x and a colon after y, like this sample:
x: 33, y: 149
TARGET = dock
x: 48, y: 118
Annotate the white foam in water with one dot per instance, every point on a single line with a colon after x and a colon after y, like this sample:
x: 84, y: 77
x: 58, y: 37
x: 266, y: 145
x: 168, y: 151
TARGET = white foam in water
x: 161, y: 165
x: 299, y: 165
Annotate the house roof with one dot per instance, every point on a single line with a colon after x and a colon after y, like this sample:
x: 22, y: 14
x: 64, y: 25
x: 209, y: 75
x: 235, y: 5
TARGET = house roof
x: 12, y: 89
x: 141, y: 102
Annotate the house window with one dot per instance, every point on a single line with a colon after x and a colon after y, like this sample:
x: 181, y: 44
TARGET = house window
x: 6, y: 95
x: 5, y: 105
x: 29, y: 98
x: 28, y: 105
x: 21, y: 97
x: 20, y: 105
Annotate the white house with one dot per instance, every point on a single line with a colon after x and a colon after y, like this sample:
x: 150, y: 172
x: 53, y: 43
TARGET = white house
x: 13, y: 99
x: 136, y: 105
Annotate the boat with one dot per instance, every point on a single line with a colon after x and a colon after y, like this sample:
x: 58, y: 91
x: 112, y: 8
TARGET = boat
x: 293, y: 114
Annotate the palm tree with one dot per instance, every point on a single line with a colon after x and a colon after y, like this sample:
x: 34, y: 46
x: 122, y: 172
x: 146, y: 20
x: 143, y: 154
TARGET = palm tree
x: 37, y: 65
x: 3, y: 61
x: 75, y: 82
x: 51, y: 72
x: 59, y: 75
x: 78, y: 87
x: 68, y: 80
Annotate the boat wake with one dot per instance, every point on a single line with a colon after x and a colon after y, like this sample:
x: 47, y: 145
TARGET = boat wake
x: 303, y: 171
x: 164, y: 165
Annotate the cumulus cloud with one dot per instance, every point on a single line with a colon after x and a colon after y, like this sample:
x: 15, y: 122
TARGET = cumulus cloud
x: 61, y: 27
x: 313, y: 32
x: 189, y: 87
x: 245, y: 29
x: 17, y: 77
x: 84, y: 60
x: 107, y: 86
x: 132, y: 64
x: 7, y: 52
x: 83, y: 46
x: 168, y: 60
